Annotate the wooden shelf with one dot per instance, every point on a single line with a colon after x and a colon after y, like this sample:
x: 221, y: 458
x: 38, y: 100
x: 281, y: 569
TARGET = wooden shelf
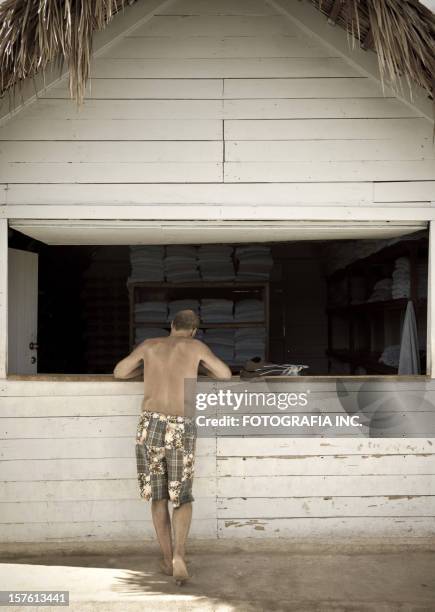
x: 397, y: 304
x: 234, y: 324
x: 234, y: 290
x: 385, y: 255
x: 360, y: 324
x: 370, y: 360
x: 365, y: 359
x: 209, y: 284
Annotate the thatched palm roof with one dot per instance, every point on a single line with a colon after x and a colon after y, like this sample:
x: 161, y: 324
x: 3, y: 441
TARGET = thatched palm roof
x: 401, y: 32
x: 36, y: 32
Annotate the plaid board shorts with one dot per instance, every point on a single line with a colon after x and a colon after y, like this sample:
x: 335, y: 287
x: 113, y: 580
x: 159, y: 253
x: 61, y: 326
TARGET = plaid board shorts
x: 165, y: 455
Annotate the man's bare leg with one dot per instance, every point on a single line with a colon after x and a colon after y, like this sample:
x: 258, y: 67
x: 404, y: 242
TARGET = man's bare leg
x: 181, y: 519
x: 162, y: 525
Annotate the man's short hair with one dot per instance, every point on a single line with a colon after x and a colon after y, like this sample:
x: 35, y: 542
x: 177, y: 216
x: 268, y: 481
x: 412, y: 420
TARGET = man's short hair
x: 186, y: 320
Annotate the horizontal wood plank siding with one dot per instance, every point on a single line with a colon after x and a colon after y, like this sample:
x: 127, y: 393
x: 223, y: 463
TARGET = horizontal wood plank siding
x: 221, y: 95
x: 115, y: 172
x: 104, y: 152
x: 335, y: 171
x: 222, y: 68
x: 68, y: 471
x: 108, y: 129
x: 289, y: 488
x: 320, y: 194
x: 339, y: 108
x: 216, y: 25
x: 327, y: 506
x: 143, y: 89
x: 235, y: 89
x: 99, y: 530
x: 326, y: 129
x: 253, y: 8
x: 262, y: 108
x: 214, y: 47
x: 65, y: 474
x: 211, y: 110
x: 308, y: 88
x: 327, y: 527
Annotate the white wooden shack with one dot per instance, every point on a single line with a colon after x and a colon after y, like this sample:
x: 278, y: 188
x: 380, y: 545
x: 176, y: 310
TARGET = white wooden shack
x: 211, y: 121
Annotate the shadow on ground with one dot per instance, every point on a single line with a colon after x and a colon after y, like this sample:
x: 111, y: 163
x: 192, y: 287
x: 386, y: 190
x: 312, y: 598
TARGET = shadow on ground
x: 235, y: 581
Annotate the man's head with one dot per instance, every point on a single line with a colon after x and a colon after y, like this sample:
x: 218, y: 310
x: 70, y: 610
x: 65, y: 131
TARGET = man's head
x: 185, y: 323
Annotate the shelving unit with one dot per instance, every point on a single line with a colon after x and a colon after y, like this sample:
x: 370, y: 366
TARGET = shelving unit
x: 140, y: 291
x: 364, y: 324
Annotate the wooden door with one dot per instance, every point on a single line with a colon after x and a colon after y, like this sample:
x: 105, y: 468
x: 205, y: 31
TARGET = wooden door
x: 22, y: 312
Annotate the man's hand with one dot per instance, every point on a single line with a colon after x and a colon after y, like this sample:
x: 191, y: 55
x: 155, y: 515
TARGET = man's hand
x: 137, y: 373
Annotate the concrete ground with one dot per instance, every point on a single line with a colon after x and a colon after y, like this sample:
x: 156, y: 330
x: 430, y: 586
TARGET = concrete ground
x: 242, y: 576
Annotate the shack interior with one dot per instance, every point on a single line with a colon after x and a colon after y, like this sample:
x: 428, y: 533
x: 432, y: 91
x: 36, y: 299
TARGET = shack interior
x: 336, y: 306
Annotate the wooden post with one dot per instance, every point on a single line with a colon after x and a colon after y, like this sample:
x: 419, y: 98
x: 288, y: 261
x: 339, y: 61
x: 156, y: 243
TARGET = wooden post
x: 430, y: 342
x: 3, y: 297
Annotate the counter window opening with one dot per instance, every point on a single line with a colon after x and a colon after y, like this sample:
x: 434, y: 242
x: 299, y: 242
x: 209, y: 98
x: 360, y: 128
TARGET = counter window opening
x: 341, y: 307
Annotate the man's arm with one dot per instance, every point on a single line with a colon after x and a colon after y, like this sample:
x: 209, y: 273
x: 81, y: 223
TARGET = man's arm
x: 130, y: 366
x: 213, y: 366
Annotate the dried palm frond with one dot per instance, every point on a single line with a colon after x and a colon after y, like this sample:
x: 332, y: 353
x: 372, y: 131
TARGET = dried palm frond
x: 34, y: 33
x: 402, y: 33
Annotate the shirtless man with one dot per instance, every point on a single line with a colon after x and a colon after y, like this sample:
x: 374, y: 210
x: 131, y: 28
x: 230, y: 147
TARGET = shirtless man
x: 165, y: 444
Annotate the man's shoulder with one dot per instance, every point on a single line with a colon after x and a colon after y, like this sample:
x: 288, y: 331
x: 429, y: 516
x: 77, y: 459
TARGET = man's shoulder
x: 190, y: 341
x: 194, y: 343
x: 199, y: 345
x: 149, y: 342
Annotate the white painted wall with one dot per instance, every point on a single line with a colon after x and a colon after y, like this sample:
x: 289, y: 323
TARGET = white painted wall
x: 221, y: 102
x: 3, y: 297
x: 69, y: 472
x: 252, y: 112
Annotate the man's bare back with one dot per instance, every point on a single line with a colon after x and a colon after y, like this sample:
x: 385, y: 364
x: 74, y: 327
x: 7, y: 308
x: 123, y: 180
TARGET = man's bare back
x: 167, y: 363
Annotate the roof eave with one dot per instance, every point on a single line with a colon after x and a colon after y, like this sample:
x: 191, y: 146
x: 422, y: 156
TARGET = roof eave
x: 305, y: 16
x: 130, y: 18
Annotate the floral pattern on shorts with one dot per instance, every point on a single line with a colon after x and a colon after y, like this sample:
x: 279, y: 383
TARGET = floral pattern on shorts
x: 165, y: 456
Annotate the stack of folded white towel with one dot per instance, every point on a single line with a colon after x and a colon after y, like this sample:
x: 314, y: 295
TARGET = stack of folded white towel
x: 143, y: 333
x: 150, y: 311
x: 146, y: 263
x: 249, y: 310
x: 215, y: 262
x: 249, y: 342
x: 177, y: 305
x: 381, y: 290
x: 254, y: 262
x: 221, y: 342
x: 401, y: 278
x: 214, y: 310
x: 181, y: 264
x: 422, y: 272
x: 209, y: 262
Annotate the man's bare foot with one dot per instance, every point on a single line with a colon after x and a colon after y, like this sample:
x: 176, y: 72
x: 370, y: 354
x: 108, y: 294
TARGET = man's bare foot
x: 166, y: 567
x: 179, y: 572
